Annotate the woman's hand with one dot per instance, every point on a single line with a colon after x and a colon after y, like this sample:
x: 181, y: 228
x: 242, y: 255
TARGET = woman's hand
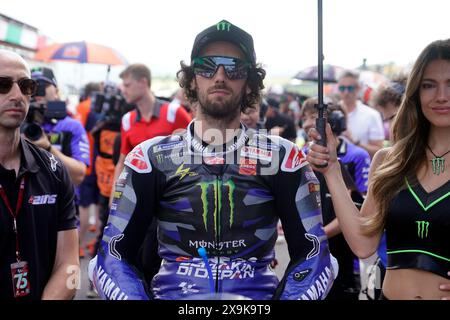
x: 319, y: 155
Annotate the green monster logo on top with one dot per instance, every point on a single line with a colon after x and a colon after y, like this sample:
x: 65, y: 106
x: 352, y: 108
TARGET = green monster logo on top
x: 223, y: 26
x: 422, y: 229
x: 217, y: 190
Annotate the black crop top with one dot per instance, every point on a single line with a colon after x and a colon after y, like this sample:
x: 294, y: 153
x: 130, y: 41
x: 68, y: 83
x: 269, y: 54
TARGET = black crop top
x: 418, y: 229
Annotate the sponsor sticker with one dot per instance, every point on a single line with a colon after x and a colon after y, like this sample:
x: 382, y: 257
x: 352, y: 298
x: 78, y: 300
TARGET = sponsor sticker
x: 256, y: 153
x: 168, y: 146
x: 313, y: 187
x: 247, y: 167
x: 44, y: 199
x: 213, y: 160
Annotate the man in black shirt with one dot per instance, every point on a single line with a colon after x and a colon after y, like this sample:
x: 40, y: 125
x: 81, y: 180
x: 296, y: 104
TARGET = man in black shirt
x: 38, y: 236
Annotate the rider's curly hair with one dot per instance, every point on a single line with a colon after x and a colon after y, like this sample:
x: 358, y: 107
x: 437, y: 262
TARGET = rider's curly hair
x: 256, y: 75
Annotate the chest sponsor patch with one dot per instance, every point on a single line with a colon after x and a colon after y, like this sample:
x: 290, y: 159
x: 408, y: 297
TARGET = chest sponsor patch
x: 168, y: 146
x: 247, y: 167
x: 214, y: 160
x: 44, y: 199
x: 256, y: 153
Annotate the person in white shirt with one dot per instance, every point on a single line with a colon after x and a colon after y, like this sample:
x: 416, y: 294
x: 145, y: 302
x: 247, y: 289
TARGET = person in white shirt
x: 365, y: 124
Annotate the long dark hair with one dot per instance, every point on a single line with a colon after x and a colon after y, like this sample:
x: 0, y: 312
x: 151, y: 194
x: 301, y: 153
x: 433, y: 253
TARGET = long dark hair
x: 256, y: 75
x: 410, y: 133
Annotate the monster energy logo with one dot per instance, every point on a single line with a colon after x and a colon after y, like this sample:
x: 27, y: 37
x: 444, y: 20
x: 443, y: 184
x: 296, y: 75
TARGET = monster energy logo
x: 223, y: 26
x: 422, y: 229
x: 159, y: 158
x: 438, y: 164
x: 217, y: 190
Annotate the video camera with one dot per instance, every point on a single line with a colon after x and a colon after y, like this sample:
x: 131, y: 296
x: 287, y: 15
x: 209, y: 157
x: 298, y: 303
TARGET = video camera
x: 41, y: 113
x: 110, y: 104
x: 337, y: 121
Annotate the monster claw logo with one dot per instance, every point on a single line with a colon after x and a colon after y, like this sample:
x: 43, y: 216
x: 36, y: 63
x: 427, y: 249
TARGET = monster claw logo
x: 217, y: 189
x: 422, y: 229
x: 438, y: 164
x: 223, y: 25
x: 183, y: 172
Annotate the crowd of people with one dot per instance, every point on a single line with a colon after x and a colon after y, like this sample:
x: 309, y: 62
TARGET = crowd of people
x: 190, y: 192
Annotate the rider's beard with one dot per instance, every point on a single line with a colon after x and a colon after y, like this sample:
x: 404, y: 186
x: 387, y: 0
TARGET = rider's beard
x: 221, y: 107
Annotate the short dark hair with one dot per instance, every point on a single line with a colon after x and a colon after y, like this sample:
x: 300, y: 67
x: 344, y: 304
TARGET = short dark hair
x: 137, y: 71
x: 91, y: 87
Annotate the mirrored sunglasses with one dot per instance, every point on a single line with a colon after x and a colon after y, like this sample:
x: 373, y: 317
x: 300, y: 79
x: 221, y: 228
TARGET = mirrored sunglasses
x: 348, y: 88
x: 207, y: 67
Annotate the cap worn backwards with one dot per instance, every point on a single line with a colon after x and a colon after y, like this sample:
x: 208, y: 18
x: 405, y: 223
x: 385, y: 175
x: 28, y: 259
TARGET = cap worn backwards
x: 225, y: 31
x: 44, y: 74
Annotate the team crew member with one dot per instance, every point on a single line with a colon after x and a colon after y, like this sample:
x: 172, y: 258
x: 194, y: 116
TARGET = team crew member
x: 218, y: 187
x: 409, y: 186
x: 152, y: 116
x: 38, y: 236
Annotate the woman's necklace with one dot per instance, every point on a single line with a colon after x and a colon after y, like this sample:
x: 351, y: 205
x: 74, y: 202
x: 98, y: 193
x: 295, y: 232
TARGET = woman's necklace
x: 438, y: 162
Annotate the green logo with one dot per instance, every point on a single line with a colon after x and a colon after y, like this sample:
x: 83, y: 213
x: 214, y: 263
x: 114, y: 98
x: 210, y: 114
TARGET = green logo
x: 438, y: 164
x: 223, y: 26
x: 159, y: 158
x: 422, y: 229
x: 216, y: 187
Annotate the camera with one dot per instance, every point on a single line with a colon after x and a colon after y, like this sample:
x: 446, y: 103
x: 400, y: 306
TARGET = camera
x: 40, y: 113
x: 336, y: 119
x: 110, y: 104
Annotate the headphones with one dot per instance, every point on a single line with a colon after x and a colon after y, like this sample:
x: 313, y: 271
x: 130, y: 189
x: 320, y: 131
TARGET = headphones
x: 336, y: 119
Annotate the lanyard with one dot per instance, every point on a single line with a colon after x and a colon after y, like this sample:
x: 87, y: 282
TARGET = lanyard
x: 16, y: 213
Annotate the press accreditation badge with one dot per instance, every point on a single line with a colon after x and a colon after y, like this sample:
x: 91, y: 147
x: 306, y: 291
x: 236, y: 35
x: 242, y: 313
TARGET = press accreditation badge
x: 20, y: 279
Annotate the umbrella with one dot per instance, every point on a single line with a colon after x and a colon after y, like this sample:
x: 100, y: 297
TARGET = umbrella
x: 80, y: 52
x: 330, y: 73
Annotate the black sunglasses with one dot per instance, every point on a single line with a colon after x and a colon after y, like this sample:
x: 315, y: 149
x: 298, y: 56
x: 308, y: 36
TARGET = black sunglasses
x: 234, y: 68
x: 27, y: 86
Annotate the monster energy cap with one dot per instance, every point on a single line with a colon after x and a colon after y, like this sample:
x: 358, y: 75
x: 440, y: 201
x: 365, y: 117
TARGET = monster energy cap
x: 225, y: 31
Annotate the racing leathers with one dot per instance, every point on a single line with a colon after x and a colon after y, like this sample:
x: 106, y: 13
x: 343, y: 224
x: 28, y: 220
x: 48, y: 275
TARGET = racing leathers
x: 227, y: 202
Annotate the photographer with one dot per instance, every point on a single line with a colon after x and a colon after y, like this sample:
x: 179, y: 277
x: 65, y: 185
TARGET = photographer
x: 64, y: 137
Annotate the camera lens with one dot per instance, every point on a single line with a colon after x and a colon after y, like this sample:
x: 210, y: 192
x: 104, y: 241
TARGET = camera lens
x: 32, y: 131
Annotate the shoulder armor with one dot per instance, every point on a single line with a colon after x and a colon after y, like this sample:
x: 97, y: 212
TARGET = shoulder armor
x: 138, y: 159
x: 293, y: 158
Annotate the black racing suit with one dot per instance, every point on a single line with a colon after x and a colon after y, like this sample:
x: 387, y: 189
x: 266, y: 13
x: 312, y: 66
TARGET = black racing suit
x: 227, y: 202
